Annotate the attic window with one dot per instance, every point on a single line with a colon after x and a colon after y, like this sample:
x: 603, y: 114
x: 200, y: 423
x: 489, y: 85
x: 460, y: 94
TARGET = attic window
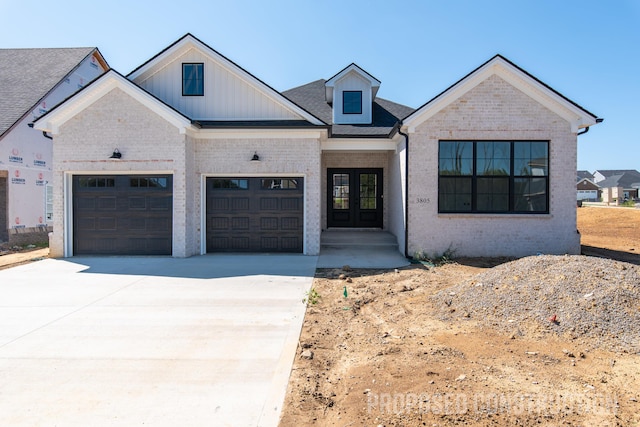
x: 352, y: 102
x: 192, y: 79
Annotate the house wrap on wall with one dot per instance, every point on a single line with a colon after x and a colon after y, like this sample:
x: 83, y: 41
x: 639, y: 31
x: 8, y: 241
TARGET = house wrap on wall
x: 191, y: 154
x: 32, y: 81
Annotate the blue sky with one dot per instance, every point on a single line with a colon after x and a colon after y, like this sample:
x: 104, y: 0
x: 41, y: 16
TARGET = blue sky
x: 587, y: 50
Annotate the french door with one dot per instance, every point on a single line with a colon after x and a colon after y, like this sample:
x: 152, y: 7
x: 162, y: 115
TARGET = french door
x: 354, y: 198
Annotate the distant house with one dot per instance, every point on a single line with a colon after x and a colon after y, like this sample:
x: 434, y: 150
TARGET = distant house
x: 587, y: 190
x: 192, y: 154
x: 618, y: 184
x: 32, y: 81
x: 585, y: 174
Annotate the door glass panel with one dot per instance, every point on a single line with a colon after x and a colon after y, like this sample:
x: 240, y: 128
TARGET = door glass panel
x: 340, y: 191
x: 368, y: 190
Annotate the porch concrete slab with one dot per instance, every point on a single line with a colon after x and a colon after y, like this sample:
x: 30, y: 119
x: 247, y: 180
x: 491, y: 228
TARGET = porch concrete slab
x: 360, y: 257
x: 201, y: 341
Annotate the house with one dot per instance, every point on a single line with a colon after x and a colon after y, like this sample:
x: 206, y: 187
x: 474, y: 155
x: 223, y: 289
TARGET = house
x: 31, y: 82
x: 587, y: 190
x: 618, y: 185
x: 190, y: 154
x: 585, y: 174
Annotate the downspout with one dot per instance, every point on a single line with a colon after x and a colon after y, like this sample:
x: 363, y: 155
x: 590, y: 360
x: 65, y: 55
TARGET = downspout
x: 598, y: 120
x: 406, y: 191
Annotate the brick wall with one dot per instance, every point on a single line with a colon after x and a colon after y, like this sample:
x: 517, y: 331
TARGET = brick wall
x: 278, y: 157
x: 363, y: 159
x: 493, y: 110
x: 147, y: 142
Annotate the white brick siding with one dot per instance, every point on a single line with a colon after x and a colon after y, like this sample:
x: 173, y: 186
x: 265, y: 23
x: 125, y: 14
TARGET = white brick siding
x: 363, y: 159
x: 278, y: 157
x: 493, y: 110
x: 149, y: 143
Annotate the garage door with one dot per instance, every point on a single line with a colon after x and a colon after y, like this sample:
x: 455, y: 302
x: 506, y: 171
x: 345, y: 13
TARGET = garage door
x: 254, y: 214
x: 122, y: 215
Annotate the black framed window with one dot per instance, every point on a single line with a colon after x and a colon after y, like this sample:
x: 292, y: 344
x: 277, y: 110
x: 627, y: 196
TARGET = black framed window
x: 493, y: 177
x: 231, y: 184
x: 192, y: 79
x: 352, y: 102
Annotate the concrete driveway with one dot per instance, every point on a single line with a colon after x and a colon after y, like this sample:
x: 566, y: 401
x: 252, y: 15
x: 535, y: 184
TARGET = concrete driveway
x: 154, y: 341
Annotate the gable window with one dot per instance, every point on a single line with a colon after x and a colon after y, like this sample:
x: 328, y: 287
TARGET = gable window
x: 193, y: 79
x: 493, y: 177
x: 352, y: 102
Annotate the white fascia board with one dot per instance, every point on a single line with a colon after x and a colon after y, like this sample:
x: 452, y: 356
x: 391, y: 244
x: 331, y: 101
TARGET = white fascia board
x: 358, y: 144
x: 190, y: 42
x: 256, y: 133
x: 353, y: 67
x: 577, y: 117
x: 106, y: 83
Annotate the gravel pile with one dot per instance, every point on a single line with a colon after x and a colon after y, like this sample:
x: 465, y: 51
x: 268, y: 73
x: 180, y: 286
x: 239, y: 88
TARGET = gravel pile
x: 593, y: 300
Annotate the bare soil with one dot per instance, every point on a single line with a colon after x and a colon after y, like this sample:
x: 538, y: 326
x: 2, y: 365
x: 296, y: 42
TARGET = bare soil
x: 11, y: 256
x: 404, y: 348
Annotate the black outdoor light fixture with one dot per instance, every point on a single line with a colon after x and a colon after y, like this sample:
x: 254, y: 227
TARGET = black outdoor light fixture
x: 255, y: 157
x: 116, y: 154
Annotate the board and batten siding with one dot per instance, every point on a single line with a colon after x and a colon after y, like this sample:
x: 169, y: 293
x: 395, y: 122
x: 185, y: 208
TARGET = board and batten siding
x: 352, y: 81
x: 226, y: 95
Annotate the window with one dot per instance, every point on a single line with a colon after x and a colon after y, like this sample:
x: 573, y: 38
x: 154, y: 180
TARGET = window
x: 96, y: 182
x: 352, y: 102
x: 232, y: 184
x: 193, y: 79
x: 279, y: 184
x: 148, y: 182
x: 493, y: 177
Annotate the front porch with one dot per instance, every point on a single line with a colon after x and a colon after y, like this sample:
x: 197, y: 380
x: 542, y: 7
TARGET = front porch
x: 359, y: 248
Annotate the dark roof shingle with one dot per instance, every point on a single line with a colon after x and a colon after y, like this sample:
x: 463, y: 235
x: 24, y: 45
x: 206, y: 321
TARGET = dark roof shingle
x: 386, y: 114
x: 27, y: 75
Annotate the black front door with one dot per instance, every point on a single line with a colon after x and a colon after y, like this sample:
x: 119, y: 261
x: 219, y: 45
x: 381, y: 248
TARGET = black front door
x: 354, y: 198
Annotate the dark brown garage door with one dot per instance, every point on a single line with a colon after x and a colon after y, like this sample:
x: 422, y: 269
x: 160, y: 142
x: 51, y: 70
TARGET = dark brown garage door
x: 254, y: 214
x: 122, y: 215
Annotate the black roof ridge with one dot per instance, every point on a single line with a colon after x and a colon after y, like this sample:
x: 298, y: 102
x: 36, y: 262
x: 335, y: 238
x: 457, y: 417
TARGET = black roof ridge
x: 359, y: 67
x: 102, y: 76
x: 227, y: 59
x: 518, y: 68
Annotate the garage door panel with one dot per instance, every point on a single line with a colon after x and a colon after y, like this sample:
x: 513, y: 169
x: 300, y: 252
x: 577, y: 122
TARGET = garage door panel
x: 107, y: 224
x: 241, y: 223
x: 290, y: 204
x: 123, y: 215
x: 269, y: 204
x: 106, y: 204
x: 241, y: 204
x: 137, y: 203
x: 254, y: 214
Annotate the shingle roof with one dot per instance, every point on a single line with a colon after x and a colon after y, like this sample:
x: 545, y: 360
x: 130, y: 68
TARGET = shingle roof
x: 27, y: 75
x: 627, y: 180
x: 612, y: 172
x: 386, y: 114
x: 585, y: 174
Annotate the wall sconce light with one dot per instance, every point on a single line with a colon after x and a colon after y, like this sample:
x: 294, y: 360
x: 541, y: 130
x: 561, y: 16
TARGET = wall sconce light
x: 255, y: 157
x: 116, y: 154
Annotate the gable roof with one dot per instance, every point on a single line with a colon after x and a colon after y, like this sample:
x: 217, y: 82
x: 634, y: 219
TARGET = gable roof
x: 104, y: 84
x: 611, y: 172
x: 519, y: 78
x: 386, y: 114
x: 627, y: 179
x: 28, y: 75
x: 584, y: 175
x: 353, y: 67
x: 586, y: 183
x: 188, y: 41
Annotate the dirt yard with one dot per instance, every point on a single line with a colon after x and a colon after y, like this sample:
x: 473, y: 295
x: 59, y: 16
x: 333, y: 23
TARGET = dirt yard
x: 478, y: 342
